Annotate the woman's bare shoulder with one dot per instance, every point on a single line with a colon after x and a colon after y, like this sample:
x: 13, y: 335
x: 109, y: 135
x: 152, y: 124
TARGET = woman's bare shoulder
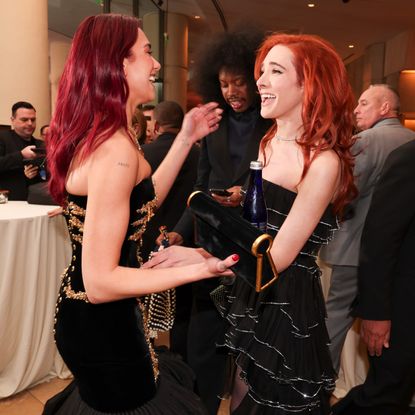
x: 117, y: 146
x: 117, y: 155
x: 324, y: 171
x: 327, y: 160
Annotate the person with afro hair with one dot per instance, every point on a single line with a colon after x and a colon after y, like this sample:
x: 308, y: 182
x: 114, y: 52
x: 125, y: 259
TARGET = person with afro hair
x: 224, y: 72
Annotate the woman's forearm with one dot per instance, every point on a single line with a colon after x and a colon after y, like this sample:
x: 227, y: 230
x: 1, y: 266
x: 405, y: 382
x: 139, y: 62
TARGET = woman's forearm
x: 166, y: 173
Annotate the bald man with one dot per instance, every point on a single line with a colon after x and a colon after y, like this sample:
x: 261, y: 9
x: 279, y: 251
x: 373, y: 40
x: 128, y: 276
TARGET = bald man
x: 377, y: 115
x: 379, y: 102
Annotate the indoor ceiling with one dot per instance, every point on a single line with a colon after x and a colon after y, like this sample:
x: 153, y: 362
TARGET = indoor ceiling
x: 353, y: 22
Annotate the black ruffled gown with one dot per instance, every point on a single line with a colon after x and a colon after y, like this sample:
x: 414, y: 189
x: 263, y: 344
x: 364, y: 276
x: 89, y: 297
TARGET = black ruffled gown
x: 106, y: 346
x: 279, y: 336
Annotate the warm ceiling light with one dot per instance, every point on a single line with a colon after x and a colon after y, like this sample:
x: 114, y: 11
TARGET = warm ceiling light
x: 351, y: 46
x: 408, y: 71
x: 311, y: 5
x: 197, y: 16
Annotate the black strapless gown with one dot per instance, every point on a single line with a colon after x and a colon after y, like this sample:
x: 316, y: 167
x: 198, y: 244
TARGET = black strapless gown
x: 106, y: 346
x: 279, y: 336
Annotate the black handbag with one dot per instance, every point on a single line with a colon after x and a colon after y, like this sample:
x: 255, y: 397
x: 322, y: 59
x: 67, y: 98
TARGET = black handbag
x: 222, y: 232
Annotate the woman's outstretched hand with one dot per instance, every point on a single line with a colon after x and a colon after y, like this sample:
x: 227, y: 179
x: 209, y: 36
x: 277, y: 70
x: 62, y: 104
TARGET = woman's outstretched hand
x: 175, y: 256
x: 55, y: 212
x: 201, y: 121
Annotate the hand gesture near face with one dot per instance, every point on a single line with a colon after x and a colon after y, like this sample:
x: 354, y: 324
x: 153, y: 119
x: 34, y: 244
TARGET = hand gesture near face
x: 201, y: 121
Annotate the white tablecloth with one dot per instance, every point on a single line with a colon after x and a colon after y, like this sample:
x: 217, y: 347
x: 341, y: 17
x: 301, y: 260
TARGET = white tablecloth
x: 34, y: 250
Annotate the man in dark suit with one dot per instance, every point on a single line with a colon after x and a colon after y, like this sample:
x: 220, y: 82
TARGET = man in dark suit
x: 377, y: 115
x: 168, y: 118
x: 16, y: 147
x: 223, y: 73
x: 386, y: 293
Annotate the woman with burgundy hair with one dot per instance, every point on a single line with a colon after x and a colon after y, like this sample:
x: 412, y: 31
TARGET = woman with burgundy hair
x: 103, y: 182
x: 278, y: 337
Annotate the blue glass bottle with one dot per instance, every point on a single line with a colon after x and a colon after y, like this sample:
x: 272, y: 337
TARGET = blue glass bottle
x: 42, y: 173
x: 254, y: 207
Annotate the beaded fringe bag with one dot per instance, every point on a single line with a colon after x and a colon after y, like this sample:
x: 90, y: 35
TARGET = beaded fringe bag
x: 160, y: 307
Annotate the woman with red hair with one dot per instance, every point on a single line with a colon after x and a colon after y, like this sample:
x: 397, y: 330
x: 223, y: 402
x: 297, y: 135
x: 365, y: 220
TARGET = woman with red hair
x: 102, y: 180
x: 278, y: 337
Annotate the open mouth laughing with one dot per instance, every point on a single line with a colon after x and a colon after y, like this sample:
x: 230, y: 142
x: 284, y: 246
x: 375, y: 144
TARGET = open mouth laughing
x: 266, y: 98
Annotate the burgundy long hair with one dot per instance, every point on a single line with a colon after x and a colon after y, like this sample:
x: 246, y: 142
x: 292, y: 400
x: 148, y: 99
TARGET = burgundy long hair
x: 327, y: 112
x: 92, y: 94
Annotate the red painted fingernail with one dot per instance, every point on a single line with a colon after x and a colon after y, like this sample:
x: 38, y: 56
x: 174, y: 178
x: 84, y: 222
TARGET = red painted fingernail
x: 235, y: 257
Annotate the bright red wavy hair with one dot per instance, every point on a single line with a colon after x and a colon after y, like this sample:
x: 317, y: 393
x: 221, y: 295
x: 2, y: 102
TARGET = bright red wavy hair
x: 327, y: 111
x: 92, y: 94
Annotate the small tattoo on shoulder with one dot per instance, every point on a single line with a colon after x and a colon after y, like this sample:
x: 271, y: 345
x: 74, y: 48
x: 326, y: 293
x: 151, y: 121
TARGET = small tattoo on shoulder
x: 120, y: 163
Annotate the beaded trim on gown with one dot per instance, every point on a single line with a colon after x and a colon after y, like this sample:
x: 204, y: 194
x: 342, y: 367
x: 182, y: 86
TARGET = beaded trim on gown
x: 106, y: 346
x: 279, y: 336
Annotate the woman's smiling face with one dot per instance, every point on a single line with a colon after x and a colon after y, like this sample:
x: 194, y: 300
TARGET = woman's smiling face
x: 281, y: 94
x: 141, y: 70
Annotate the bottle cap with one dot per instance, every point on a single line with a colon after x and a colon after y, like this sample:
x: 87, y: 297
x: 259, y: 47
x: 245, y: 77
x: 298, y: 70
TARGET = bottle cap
x: 256, y: 165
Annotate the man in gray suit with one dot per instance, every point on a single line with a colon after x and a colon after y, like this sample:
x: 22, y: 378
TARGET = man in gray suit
x: 377, y: 115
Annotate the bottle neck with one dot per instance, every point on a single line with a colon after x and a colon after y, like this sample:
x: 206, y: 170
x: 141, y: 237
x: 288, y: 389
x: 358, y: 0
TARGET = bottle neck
x: 254, y: 206
x: 256, y: 178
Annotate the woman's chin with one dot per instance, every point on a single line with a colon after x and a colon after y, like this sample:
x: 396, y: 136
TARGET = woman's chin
x: 145, y: 99
x: 267, y: 113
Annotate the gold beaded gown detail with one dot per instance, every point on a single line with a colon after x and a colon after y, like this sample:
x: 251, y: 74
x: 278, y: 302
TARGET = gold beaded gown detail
x: 106, y: 346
